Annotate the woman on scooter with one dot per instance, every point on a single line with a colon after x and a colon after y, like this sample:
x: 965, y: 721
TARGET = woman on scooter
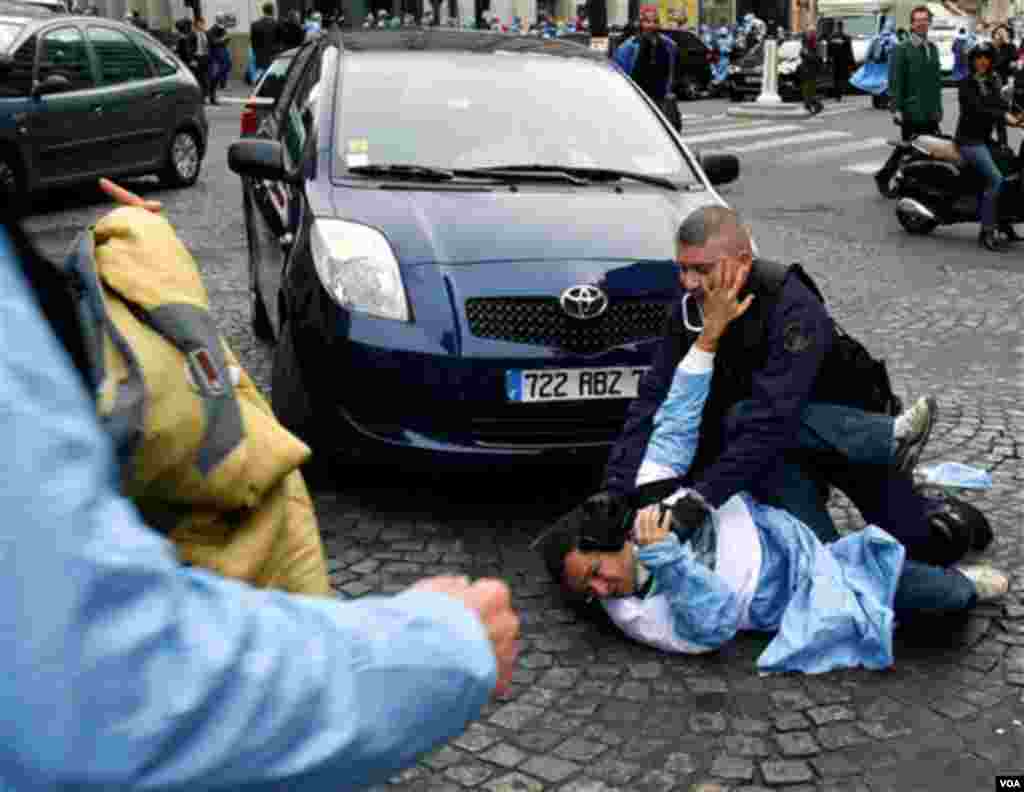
x: 982, y: 111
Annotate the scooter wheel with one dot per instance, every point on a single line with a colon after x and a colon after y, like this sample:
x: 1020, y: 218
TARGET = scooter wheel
x: 913, y: 224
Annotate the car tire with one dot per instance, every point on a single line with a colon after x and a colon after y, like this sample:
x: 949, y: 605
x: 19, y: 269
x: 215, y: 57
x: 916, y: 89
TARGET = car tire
x: 880, y: 102
x: 735, y: 96
x: 686, y: 88
x: 12, y: 179
x: 184, y: 160
x: 293, y: 408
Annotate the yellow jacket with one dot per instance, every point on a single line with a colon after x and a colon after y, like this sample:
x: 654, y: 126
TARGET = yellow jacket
x: 203, y: 457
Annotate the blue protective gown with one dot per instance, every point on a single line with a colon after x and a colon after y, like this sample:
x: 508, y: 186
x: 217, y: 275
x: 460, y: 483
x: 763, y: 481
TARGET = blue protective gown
x: 873, y: 76
x: 962, y: 44
x: 830, y: 605
x: 121, y: 669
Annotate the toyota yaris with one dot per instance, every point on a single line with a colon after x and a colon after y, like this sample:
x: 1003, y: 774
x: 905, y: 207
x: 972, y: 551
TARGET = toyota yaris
x: 462, y: 244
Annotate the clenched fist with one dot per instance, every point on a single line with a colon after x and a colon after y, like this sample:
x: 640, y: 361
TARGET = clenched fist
x: 491, y: 600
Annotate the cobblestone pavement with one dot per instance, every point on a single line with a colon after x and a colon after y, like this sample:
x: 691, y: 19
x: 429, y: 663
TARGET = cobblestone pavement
x: 589, y: 711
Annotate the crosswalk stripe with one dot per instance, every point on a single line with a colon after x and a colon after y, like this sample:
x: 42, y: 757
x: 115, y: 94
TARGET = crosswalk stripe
x: 866, y: 168
x: 841, y: 110
x: 792, y: 140
x: 694, y: 129
x: 836, y: 151
x: 741, y: 133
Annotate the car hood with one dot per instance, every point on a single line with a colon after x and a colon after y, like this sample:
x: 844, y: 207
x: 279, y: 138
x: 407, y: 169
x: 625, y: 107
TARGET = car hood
x: 454, y: 245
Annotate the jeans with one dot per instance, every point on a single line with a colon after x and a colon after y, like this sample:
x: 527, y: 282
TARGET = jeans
x: 925, y: 590
x: 853, y: 451
x: 980, y: 159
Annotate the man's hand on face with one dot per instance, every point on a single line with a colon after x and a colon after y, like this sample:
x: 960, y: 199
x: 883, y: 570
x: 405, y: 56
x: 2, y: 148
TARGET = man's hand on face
x: 651, y: 525
x: 491, y: 600
x: 720, y: 305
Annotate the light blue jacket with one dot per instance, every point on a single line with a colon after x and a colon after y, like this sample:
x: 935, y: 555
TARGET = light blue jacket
x: 121, y: 669
x: 830, y: 605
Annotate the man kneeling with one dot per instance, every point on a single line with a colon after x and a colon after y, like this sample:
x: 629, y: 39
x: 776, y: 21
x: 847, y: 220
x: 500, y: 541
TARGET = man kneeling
x: 685, y: 577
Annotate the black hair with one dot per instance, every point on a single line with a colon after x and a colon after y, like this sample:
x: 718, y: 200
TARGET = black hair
x: 53, y: 293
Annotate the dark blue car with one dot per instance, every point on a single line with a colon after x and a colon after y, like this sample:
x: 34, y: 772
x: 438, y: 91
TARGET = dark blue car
x: 462, y: 244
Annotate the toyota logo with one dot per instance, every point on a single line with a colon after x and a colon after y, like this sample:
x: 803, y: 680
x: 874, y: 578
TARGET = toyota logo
x: 583, y: 302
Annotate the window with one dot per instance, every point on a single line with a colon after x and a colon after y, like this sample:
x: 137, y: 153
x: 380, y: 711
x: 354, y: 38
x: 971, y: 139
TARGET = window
x: 160, y: 59
x: 63, y: 52
x: 18, y: 81
x: 8, y: 33
x: 119, y: 59
x: 301, y: 113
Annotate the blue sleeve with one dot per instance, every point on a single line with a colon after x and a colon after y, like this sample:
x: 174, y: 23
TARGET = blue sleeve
x: 625, y: 56
x: 704, y: 610
x: 628, y: 452
x: 673, y: 442
x: 122, y: 669
x: 799, y: 338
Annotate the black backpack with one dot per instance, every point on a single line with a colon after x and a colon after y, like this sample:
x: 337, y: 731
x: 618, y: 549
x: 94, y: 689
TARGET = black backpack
x: 849, y: 375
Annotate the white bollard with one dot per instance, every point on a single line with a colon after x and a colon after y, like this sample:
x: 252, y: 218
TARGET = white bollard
x: 770, y: 77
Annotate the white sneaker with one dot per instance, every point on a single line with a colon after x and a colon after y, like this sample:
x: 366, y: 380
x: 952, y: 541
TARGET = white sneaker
x: 918, y: 421
x: 989, y: 582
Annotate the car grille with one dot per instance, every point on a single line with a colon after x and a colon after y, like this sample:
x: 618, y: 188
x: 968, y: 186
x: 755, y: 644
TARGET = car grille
x: 540, y: 321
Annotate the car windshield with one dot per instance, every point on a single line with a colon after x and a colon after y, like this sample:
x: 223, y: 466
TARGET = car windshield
x: 8, y: 32
x: 465, y: 110
x: 859, y: 25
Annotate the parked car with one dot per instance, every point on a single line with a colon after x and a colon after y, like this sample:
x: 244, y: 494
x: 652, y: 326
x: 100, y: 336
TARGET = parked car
x: 693, y: 69
x: 462, y: 243
x: 266, y: 92
x: 745, y: 76
x: 83, y: 97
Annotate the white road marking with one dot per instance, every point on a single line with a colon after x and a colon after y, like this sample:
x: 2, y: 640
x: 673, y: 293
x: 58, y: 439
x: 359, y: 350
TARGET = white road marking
x: 741, y: 133
x: 694, y: 130
x: 867, y: 168
x: 852, y: 108
x: 836, y: 151
x: 792, y: 140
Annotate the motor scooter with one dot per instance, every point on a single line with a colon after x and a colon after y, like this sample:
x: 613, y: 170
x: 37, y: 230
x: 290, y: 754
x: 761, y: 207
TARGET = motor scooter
x: 935, y: 187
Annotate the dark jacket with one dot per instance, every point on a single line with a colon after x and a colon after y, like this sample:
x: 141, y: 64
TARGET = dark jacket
x: 265, y: 34
x: 915, y: 82
x: 292, y: 34
x: 772, y: 356
x: 981, y: 112
x: 840, y: 52
x: 217, y: 36
x: 810, y: 65
x: 1003, y: 63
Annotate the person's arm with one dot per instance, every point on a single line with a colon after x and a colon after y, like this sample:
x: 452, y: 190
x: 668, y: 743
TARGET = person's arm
x: 705, y: 612
x: 799, y: 338
x: 627, y: 454
x: 128, y: 671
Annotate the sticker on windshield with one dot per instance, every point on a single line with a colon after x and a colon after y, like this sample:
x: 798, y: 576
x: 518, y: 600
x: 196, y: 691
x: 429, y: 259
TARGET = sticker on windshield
x: 458, y: 104
x: 358, y: 160
x: 358, y: 146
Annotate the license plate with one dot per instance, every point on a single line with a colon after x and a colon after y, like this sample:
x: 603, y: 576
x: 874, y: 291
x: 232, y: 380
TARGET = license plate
x: 576, y: 384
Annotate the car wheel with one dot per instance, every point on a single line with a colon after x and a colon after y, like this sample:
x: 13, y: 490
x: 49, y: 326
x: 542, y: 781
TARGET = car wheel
x: 260, y: 319
x: 880, y: 102
x: 735, y: 96
x: 292, y: 406
x: 687, y: 88
x: 10, y: 178
x: 184, y: 157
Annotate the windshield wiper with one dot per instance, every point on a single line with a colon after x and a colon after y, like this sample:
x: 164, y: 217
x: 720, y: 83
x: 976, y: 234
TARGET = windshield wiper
x: 519, y: 172
x: 590, y: 174
x: 404, y: 172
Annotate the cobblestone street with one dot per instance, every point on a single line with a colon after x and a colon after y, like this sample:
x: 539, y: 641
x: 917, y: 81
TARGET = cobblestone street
x: 591, y: 712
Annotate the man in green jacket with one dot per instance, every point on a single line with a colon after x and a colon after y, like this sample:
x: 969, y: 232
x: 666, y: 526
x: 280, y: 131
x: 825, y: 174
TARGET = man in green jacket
x: 915, y: 88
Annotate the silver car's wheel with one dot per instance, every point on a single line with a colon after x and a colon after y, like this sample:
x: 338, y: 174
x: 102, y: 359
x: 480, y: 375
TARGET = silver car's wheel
x: 183, y: 160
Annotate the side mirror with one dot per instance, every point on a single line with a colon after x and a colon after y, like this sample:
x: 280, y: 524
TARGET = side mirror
x: 258, y: 159
x: 55, y: 83
x: 720, y: 168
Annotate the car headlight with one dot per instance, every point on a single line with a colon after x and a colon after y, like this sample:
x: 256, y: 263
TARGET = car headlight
x: 358, y: 269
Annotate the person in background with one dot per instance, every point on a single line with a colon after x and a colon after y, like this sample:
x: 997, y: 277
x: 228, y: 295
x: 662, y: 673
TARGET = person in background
x: 265, y: 35
x: 130, y: 671
x: 810, y: 68
x: 650, y: 60
x: 202, y: 53
x: 962, y: 44
x: 840, y: 53
x: 220, y: 55
x: 1006, y: 53
x: 291, y: 32
x: 915, y: 88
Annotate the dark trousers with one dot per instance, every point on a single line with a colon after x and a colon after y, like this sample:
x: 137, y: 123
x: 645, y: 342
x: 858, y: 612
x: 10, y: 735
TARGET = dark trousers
x: 850, y: 450
x: 840, y: 77
x: 206, y: 84
x: 908, y: 130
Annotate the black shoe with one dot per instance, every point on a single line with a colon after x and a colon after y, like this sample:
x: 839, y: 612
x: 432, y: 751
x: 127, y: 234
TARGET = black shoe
x: 922, y: 414
x: 1009, y: 234
x: 990, y: 241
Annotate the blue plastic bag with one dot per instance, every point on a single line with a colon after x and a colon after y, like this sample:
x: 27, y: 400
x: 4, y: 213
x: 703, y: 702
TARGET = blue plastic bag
x: 955, y: 475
